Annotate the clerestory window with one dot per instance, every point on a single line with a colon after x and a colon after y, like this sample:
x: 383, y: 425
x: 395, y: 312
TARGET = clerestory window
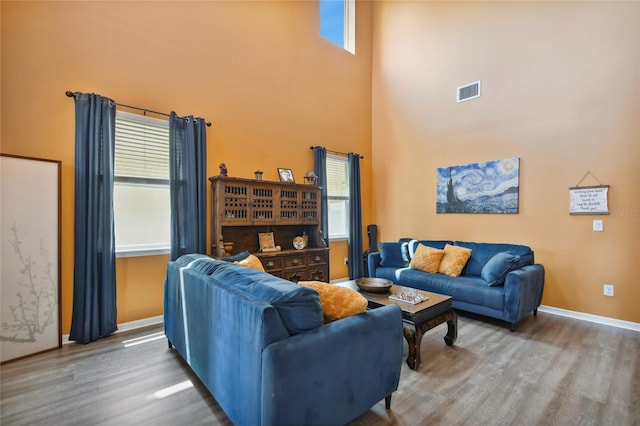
x: 337, y: 22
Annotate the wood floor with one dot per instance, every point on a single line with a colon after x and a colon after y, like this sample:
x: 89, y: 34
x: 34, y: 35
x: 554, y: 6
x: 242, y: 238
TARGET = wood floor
x: 551, y: 371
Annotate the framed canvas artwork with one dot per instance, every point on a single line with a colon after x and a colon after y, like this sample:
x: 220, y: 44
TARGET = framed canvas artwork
x: 30, y: 274
x: 489, y: 187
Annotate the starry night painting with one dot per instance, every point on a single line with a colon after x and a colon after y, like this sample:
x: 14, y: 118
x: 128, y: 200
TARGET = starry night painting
x: 490, y: 187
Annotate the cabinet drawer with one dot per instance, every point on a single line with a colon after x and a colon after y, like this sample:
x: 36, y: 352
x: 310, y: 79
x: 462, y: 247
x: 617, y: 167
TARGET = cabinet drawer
x: 272, y: 264
x: 294, y: 262
x: 317, y: 259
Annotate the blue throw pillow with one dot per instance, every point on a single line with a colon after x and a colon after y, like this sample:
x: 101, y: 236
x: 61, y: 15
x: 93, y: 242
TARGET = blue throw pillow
x: 497, y: 268
x: 394, y: 254
x: 236, y: 257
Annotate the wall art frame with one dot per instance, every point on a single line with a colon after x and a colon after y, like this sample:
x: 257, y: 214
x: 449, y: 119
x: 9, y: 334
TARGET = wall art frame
x: 30, y: 278
x: 487, y: 187
x: 589, y: 200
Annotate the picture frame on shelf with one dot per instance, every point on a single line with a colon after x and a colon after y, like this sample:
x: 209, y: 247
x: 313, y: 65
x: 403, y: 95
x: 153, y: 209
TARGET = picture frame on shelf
x: 286, y: 175
x: 266, y: 241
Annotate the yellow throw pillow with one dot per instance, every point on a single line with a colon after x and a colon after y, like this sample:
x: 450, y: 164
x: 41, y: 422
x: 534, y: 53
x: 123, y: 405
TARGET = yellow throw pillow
x: 454, y: 260
x: 426, y: 259
x: 337, y: 302
x: 251, y: 261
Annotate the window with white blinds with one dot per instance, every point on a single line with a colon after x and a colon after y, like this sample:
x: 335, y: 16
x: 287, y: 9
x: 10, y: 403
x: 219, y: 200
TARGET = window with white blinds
x: 142, y: 147
x: 338, y: 196
x: 141, y: 190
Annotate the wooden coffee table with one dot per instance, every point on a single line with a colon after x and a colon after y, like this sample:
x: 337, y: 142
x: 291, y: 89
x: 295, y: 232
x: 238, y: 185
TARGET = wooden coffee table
x: 418, y: 318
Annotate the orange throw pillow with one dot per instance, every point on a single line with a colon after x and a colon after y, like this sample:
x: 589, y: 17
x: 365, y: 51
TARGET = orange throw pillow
x: 454, y: 260
x: 337, y: 302
x: 427, y: 259
x: 252, y: 261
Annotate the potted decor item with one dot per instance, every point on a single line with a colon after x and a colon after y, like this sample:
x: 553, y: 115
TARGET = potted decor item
x: 228, y: 246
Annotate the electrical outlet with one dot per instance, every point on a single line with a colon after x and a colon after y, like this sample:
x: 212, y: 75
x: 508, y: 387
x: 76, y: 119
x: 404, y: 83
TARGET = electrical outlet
x: 346, y: 260
x: 608, y: 290
x: 598, y: 225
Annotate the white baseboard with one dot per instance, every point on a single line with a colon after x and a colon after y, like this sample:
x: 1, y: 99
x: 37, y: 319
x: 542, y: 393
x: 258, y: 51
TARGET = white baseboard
x: 127, y: 326
x: 132, y: 325
x: 591, y: 318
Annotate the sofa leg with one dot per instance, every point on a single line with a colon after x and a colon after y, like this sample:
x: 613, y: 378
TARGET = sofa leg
x: 170, y: 344
x: 535, y: 312
x: 387, y: 402
x: 512, y: 327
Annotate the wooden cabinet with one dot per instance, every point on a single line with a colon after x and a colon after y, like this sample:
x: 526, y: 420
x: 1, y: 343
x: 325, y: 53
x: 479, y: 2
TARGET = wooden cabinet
x: 243, y: 208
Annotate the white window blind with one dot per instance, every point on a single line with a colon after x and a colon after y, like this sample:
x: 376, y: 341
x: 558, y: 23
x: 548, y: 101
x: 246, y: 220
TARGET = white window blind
x: 142, y: 147
x: 337, y: 177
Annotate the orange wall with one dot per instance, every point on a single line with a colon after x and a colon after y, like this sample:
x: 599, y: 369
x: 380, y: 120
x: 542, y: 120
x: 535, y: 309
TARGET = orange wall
x: 560, y: 90
x: 258, y: 70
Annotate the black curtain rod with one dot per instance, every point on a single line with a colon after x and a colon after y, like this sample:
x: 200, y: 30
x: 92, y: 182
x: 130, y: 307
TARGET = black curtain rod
x: 71, y: 94
x: 336, y: 152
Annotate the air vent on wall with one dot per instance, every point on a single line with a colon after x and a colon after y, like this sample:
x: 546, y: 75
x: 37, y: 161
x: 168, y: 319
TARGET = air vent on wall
x: 468, y: 91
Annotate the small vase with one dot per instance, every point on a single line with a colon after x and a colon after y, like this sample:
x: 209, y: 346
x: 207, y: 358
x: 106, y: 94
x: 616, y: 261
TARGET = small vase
x: 227, y: 248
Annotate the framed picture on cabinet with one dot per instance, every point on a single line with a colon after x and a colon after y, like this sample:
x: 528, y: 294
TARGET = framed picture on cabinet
x: 286, y: 175
x: 266, y: 241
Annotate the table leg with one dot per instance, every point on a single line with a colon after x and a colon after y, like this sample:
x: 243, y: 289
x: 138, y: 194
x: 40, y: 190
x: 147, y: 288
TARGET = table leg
x: 414, y: 339
x: 452, y: 329
x: 413, y: 336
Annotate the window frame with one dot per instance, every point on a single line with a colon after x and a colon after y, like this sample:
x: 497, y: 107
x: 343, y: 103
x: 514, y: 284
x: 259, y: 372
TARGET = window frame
x: 344, y: 198
x: 139, y: 250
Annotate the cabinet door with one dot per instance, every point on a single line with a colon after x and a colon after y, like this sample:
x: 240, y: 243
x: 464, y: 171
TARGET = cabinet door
x: 289, y: 207
x: 263, y: 204
x: 234, y: 202
x: 318, y: 273
x: 294, y: 275
x: 310, y: 206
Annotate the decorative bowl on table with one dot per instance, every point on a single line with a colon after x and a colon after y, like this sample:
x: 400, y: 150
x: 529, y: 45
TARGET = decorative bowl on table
x: 374, y: 285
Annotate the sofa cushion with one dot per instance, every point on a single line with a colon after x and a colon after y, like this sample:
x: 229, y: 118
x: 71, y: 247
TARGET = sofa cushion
x: 497, y: 268
x: 467, y: 289
x: 439, y: 244
x: 298, y: 307
x: 481, y: 253
x: 427, y: 259
x: 337, y: 302
x: 389, y: 273
x: 251, y: 261
x: 454, y: 260
x: 394, y: 254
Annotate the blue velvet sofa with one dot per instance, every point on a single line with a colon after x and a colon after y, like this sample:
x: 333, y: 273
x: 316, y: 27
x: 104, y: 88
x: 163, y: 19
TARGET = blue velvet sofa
x: 260, y: 346
x: 488, y: 285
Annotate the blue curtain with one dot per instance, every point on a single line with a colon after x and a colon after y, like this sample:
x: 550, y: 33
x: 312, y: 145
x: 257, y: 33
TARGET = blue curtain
x: 94, y: 278
x: 356, y: 249
x: 320, y: 169
x: 188, y: 185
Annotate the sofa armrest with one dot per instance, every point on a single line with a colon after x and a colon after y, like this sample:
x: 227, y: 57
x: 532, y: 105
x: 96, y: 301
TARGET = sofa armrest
x: 373, y: 262
x: 523, y: 291
x: 334, y: 373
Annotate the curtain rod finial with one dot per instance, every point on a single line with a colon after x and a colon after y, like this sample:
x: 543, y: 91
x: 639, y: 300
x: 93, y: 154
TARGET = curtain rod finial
x: 70, y: 94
